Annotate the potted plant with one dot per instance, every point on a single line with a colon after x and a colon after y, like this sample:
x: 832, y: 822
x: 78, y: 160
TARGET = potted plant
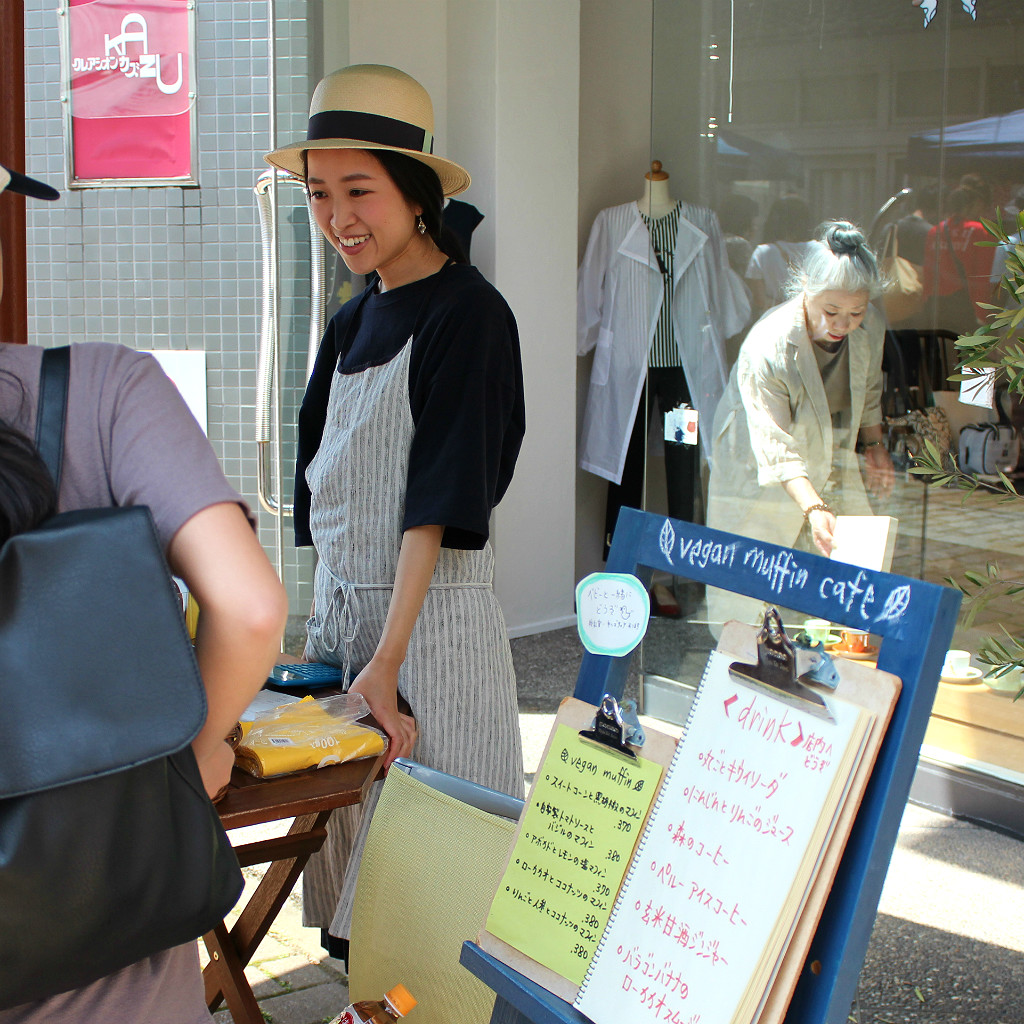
x: 996, y: 348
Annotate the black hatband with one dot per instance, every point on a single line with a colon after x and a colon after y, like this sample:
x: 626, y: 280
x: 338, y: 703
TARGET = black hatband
x: 372, y: 128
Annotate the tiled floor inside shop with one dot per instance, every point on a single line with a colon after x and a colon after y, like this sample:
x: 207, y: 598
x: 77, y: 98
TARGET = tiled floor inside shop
x: 963, y: 532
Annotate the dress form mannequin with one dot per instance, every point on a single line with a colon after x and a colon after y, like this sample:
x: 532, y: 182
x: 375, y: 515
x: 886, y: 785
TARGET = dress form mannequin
x: 656, y: 202
x: 666, y: 386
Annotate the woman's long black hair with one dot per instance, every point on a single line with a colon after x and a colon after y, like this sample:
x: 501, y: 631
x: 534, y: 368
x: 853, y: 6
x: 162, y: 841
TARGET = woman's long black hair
x: 421, y: 186
x: 27, y: 494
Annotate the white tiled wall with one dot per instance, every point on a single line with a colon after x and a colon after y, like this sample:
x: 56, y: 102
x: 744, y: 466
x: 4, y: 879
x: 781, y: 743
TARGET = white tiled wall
x: 171, y: 267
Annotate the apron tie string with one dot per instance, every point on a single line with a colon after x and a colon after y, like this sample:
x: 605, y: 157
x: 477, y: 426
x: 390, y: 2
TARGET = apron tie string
x: 348, y: 619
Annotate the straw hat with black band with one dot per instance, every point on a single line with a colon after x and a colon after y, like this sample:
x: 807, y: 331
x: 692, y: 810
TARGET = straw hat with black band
x: 372, y: 106
x: 12, y: 181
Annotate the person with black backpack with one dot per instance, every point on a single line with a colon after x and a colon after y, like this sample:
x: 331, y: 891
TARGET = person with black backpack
x: 131, y: 440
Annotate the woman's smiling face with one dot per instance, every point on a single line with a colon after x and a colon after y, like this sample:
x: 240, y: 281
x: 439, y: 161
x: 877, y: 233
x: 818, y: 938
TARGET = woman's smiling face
x: 363, y: 214
x: 832, y: 315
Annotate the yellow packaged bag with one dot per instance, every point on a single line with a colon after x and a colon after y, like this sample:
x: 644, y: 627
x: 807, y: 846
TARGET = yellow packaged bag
x: 309, y: 733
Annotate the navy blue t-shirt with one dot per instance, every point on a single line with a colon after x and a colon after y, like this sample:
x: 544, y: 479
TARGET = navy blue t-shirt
x: 465, y: 395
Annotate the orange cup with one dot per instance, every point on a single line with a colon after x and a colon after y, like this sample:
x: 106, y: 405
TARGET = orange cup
x: 855, y: 640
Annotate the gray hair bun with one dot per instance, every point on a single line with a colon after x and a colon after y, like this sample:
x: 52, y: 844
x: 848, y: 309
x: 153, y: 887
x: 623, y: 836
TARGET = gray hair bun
x: 843, y: 238
x: 841, y: 259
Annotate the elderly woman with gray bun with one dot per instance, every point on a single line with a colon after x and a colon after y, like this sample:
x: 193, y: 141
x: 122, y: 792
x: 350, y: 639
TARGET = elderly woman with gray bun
x: 804, y: 394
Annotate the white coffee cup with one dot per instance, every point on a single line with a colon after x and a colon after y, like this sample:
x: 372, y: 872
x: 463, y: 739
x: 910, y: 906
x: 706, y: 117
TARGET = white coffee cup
x: 957, y: 664
x: 818, y: 629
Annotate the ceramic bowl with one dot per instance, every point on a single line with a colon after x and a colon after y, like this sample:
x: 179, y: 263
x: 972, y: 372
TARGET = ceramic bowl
x: 1008, y: 684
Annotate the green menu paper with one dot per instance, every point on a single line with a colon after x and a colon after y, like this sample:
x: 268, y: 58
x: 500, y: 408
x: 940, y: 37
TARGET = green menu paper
x: 585, y: 814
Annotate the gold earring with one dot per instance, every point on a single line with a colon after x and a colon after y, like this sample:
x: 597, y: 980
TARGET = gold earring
x: 420, y: 226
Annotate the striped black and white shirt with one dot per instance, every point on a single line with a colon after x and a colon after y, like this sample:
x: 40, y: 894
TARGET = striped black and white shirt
x: 663, y: 230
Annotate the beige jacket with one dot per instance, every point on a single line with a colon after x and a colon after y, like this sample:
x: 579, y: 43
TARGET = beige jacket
x: 773, y: 424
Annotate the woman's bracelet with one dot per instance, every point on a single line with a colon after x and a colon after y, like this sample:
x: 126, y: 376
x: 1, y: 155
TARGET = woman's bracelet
x: 871, y: 444
x: 820, y: 507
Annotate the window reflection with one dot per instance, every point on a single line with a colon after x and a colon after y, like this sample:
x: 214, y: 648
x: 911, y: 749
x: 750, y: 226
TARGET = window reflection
x: 862, y: 114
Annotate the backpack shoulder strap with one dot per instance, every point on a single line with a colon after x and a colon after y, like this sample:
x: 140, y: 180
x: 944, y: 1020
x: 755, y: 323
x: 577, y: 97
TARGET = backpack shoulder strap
x: 51, y: 412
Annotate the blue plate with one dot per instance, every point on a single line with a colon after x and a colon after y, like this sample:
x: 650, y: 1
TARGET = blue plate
x: 304, y: 676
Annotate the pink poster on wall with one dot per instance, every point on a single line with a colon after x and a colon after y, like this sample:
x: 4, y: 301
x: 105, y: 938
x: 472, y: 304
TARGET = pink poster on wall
x: 131, y: 94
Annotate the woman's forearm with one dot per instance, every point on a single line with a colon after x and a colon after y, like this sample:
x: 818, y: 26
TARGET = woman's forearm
x: 242, y: 612
x: 417, y: 559
x: 871, y: 435
x: 802, y: 491
x: 378, y: 680
x: 820, y: 518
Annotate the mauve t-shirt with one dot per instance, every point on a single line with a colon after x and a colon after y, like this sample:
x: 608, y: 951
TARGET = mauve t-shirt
x: 130, y: 440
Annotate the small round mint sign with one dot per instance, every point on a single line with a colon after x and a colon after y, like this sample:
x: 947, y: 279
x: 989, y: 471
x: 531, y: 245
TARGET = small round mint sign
x: 612, y: 611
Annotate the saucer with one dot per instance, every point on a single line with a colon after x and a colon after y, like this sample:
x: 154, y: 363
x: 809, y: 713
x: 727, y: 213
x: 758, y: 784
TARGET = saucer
x: 973, y: 675
x: 871, y: 651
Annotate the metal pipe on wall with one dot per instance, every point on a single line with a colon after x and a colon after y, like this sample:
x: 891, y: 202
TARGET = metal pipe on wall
x: 275, y: 311
x: 268, y: 379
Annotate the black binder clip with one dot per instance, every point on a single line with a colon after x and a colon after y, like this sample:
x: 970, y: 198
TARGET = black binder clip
x: 822, y: 670
x: 775, y: 671
x: 608, y: 728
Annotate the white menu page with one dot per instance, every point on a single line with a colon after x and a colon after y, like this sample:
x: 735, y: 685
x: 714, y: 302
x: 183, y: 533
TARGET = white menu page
x: 721, y: 872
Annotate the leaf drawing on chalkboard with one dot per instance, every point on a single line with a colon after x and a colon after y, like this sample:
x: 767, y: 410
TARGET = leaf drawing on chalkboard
x: 929, y: 7
x: 895, y: 605
x: 667, y: 540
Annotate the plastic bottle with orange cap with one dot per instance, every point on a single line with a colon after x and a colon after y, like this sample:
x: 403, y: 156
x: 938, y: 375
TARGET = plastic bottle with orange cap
x: 397, y: 1002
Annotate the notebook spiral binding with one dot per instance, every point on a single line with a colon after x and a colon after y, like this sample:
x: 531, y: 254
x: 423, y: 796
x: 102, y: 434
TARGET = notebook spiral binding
x: 643, y: 835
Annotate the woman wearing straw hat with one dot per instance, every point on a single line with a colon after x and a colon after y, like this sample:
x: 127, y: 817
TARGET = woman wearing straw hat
x: 408, y: 435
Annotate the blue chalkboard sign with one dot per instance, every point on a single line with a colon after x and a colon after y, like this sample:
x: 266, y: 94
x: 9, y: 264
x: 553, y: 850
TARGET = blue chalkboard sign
x: 915, y: 621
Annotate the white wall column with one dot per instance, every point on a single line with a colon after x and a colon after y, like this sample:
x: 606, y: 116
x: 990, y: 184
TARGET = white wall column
x: 537, y: 140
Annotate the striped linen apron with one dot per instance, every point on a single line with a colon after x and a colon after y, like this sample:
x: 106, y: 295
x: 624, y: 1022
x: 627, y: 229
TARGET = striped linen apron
x: 458, y: 676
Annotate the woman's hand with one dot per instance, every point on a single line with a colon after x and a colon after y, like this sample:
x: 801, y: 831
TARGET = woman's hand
x: 823, y: 528
x: 880, y: 473
x: 215, y: 768
x: 378, y: 683
x: 821, y: 519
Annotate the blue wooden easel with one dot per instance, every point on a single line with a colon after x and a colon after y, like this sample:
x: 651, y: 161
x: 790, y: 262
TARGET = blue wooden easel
x: 915, y: 621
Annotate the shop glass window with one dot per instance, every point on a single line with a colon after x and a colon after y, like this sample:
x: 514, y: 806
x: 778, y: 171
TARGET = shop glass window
x: 853, y: 110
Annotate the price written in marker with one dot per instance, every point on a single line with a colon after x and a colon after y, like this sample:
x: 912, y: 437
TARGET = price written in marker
x: 612, y: 612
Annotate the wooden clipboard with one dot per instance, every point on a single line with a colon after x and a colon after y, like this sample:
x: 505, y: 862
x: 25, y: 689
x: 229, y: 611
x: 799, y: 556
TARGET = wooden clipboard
x: 877, y: 692
x: 576, y: 715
